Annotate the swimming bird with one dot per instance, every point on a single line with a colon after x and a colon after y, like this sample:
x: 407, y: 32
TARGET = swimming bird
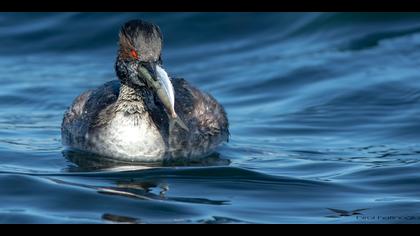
x: 145, y: 115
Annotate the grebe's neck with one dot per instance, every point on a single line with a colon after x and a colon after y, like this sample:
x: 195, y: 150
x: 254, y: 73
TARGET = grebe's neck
x: 131, y: 100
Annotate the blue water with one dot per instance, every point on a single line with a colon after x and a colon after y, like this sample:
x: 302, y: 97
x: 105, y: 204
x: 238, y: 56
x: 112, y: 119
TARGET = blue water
x: 324, y: 115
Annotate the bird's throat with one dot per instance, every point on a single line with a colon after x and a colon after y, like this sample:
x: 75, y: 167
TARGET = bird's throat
x: 131, y: 100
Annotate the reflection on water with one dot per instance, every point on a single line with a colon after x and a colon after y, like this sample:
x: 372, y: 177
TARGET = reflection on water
x: 341, y: 213
x: 120, y: 219
x: 148, y: 187
x: 85, y: 161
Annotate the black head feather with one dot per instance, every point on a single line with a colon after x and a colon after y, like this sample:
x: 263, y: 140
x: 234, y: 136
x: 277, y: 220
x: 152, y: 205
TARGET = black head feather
x: 144, y: 37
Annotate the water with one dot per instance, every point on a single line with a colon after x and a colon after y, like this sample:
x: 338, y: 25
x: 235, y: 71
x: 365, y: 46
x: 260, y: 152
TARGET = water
x: 324, y: 114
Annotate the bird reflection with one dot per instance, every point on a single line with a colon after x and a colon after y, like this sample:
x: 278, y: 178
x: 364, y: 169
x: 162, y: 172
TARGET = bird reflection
x: 84, y: 161
x: 141, y: 181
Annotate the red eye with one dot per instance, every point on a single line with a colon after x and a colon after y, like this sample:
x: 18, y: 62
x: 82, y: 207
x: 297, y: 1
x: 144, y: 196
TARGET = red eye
x: 134, y: 54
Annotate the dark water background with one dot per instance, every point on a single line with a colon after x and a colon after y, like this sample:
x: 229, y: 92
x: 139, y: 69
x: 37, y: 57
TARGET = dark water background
x: 324, y: 113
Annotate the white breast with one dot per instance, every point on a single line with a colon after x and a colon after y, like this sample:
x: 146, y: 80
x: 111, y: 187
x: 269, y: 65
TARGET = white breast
x: 130, y: 138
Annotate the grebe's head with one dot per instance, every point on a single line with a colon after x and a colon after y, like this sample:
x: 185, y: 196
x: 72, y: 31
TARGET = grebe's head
x: 139, y: 54
x: 139, y: 63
